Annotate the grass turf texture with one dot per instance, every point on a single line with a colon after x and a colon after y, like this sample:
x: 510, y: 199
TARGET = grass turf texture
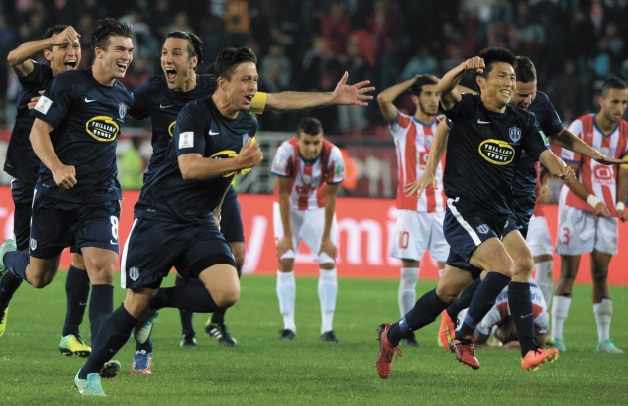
x: 262, y: 370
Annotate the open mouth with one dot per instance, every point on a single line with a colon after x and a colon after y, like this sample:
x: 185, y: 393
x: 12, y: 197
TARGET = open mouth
x: 70, y: 64
x: 171, y: 74
x: 249, y: 97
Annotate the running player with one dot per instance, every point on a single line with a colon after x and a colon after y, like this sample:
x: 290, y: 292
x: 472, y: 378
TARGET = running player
x: 308, y: 170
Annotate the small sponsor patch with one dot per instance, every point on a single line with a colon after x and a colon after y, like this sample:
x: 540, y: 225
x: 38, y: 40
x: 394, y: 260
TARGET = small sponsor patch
x: 43, y: 105
x: 186, y: 140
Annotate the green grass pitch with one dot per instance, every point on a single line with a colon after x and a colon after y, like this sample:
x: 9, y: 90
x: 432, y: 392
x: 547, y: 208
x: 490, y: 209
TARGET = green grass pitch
x: 262, y: 370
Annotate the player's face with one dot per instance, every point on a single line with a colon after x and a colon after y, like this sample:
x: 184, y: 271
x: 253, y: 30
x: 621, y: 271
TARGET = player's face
x: 64, y: 57
x: 524, y: 94
x: 427, y: 102
x: 117, y: 57
x: 242, y: 86
x: 613, y: 105
x: 176, y: 62
x: 499, y: 84
x: 310, y: 146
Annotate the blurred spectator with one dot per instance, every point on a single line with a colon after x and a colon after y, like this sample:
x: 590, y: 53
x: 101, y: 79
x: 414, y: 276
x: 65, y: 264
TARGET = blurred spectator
x: 335, y: 25
x: 237, y: 22
x: 422, y: 62
x: 159, y: 18
x: 131, y: 166
x: 568, y: 92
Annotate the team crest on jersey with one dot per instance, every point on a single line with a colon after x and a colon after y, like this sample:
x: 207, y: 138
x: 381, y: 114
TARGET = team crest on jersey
x: 515, y: 134
x: 134, y: 273
x: 245, y: 139
x: 171, y: 128
x: 33, y: 244
x: 497, y: 152
x: 122, y: 110
x: 482, y: 229
x: 102, y: 128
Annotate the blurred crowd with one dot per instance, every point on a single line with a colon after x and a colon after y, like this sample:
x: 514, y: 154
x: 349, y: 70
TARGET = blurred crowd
x: 307, y: 44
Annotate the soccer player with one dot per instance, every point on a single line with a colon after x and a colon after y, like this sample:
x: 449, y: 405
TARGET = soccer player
x: 174, y: 223
x: 162, y: 97
x: 308, y: 170
x: 77, y: 123
x: 523, y: 203
x: 485, y: 143
x: 62, y: 49
x: 419, y: 224
x: 588, y: 217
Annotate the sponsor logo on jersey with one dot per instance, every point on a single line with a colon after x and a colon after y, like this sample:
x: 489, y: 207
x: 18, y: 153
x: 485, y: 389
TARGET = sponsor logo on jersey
x: 171, y: 128
x: 225, y: 154
x: 102, y: 128
x: 497, y: 152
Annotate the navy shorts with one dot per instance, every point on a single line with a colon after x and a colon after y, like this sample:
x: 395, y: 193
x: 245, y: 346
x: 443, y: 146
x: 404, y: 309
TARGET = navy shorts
x: 465, y: 230
x: 57, y: 224
x: 519, y: 219
x: 154, y: 247
x: 231, y: 218
x: 22, y: 194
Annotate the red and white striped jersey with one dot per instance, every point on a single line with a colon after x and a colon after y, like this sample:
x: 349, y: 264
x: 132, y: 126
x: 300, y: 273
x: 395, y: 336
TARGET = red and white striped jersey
x: 597, y: 178
x: 413, y: 141
x: 309, y: 179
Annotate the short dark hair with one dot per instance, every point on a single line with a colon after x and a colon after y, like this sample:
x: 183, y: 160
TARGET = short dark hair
x: 195, y: 45
x: 309, y: 125
x: 421, y: 81
x: 614, y: 82
x: 496, y: 54
x: 108, y: 27
x: 229, y: 58
x: 525, y: 69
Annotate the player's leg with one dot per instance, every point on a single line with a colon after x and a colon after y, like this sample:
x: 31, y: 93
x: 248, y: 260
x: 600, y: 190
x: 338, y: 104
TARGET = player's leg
x: 286, y: 287
x: 576, y: 236
x: 406, y: 246
x: 540, y: 243
x: 188, y: 335
x: 77, y: 292
x: 605, y: 248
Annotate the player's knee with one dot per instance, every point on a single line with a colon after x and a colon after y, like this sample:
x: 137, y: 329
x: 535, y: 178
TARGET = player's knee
x: 524, y: 267
x: 447, y: 294
x: 40, y: 281
x: 227, y: 297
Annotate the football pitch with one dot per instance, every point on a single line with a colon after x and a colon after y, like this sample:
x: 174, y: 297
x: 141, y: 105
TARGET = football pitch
x: 262, y: 370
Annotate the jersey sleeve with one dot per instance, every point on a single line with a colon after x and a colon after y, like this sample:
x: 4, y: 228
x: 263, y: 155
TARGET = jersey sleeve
x: 464, y: 109
x: 56, y: 101
x: 401, y: 122
x: 282, y: 164
x: 570, y: 156
x: 335, y: 171
x: 550, y: 122
x: 189, y: 132
x: 535, y: 141
x: 141, y: 105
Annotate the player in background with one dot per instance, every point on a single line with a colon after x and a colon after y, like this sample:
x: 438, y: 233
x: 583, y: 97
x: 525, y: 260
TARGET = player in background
x: 308, y: 170
x: 62, y: 49
x: 587, y: 216
x: 419, y: 224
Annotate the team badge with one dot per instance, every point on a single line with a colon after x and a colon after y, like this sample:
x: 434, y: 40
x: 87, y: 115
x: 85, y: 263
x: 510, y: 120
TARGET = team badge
x: 482, y: 229
x: 134, y: 273
x: 122, y: 110
x: 33, y: 244
x: 515, y: 134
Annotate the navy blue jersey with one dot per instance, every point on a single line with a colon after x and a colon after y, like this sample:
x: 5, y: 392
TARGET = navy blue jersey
x: 523, y: 188
x: 154, y: 99
x: 22, y: 162
x: 86, y: 117
x: 201, y: 129
x: 482, y: 153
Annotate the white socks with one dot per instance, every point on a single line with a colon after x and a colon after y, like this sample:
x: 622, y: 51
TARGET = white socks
x: 406, y: 296
x: 602, y: 312
x: 286, y: 293
x: 327, y: 294
x: 560, y: 310
x: 544, y: 280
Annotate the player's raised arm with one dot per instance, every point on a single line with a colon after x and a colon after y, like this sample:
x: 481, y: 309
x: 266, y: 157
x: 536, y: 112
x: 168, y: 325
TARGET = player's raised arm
x: 450, y: 94
x: 570, y: 141
x: 344, y: 94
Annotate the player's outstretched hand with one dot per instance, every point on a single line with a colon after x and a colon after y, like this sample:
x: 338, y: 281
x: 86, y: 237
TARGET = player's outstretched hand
x: 607, y: 160
x: 64, y: 176
x: 250, y: 155
x: 34, y: 100
x: 418, y: 186
x: 352, y: 94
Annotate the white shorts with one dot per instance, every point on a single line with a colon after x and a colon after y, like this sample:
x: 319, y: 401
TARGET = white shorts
x: 581, y: 232
x: 306, y: 225
x: 415, y: 232
x: 539, y: 239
